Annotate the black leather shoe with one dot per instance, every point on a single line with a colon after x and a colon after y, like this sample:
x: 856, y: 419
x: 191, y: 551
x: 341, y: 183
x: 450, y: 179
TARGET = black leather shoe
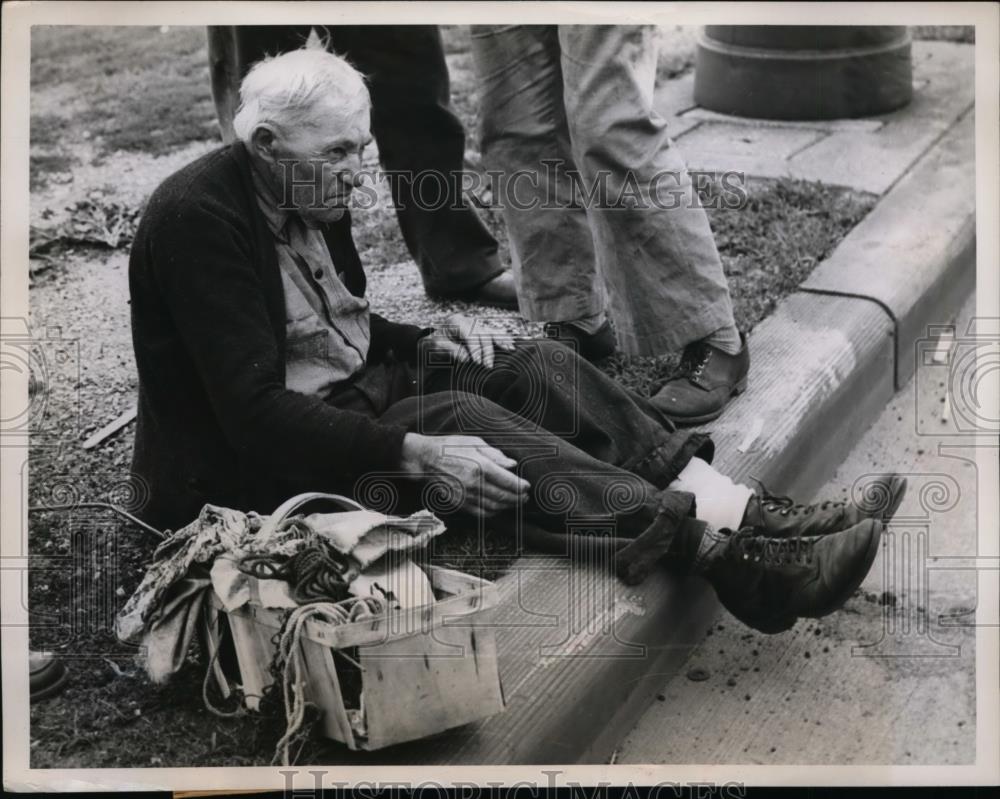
x: 499, y: 292
x: 767, y: 583
x: 780, y: 517
x: 46, y: 675
x: 697, y: 392
x: 592, y: 346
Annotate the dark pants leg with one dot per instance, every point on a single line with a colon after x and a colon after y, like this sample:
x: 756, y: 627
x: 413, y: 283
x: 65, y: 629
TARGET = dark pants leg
x: 589, y: 448
x: 549, y: 389
x: 412, y: 122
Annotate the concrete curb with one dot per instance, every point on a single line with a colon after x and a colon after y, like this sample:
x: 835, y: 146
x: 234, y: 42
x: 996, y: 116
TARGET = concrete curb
x: 581, y: 655
x: 910, y: 269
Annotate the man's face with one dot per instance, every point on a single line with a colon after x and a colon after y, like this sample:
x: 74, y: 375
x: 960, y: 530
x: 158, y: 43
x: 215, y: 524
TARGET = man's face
x: 317, y: 162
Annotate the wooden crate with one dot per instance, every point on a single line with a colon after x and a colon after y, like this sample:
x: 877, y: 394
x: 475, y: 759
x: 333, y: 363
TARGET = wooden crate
x: 422, y: 670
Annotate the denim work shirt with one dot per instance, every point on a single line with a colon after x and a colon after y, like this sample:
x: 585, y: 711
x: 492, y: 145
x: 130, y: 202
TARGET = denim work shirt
x: 327, y: 327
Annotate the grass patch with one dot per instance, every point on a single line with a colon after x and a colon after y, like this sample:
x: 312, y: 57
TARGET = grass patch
x: 141, y: 89
x: 41, y: 165
x: 772, y: 244
x: 377, y: 237
x: 84, y: 53
x: 169, y: 119
x: 768, y: 247
x: 50, y: 130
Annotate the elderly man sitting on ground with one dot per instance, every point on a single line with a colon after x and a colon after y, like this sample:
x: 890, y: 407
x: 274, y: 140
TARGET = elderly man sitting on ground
x: 264, y: 373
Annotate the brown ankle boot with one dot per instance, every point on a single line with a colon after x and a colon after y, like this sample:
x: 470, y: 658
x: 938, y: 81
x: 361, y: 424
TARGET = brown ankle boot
x: 767, y: 583
x: 699, y: 390
x: 780, y: 517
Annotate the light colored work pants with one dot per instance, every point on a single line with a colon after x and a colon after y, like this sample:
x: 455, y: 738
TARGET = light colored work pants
x: 578, y: 98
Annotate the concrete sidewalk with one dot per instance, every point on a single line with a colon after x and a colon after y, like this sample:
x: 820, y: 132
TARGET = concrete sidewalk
x: 582, y: 657
x: 865, y: 154
x: 889, y: 680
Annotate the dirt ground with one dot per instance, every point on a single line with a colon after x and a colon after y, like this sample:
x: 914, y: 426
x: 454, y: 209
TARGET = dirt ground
x: 113, y: 113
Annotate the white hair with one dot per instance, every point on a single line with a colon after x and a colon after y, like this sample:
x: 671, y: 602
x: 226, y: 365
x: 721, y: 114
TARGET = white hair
x: 283, y: 90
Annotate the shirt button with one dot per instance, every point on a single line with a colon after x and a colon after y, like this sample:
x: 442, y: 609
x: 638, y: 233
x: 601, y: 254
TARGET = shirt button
x: 318, y: 273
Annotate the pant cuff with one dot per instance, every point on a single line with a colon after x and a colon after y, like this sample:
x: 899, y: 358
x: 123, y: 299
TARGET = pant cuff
x: 665, y: 461
x: 449, y: 289
x: 561, y: 310
x: 634, y: 562
x: 674, y: 335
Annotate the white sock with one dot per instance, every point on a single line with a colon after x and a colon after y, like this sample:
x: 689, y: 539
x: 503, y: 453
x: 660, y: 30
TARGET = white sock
x: 719, y: 501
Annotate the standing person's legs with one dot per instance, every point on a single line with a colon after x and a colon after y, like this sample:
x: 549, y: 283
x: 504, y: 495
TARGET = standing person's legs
x: 418, y: 133
x: 224, y: 77
x: 232, y: 50
x: 415, y: 129
x: 664, y: 276
x: 524, y: 138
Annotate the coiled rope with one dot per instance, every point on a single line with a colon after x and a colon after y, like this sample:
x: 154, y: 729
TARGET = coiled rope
x: 292, y: 661
x: 289, y: 661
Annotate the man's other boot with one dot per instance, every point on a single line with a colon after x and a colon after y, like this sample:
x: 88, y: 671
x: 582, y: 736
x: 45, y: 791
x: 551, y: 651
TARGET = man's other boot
x: 780, y: 517
x: 767, y: 583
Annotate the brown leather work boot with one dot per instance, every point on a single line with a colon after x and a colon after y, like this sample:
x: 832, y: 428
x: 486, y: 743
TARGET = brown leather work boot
x: 767, y: 583
x: 780, y: 517
x: 698, y: 391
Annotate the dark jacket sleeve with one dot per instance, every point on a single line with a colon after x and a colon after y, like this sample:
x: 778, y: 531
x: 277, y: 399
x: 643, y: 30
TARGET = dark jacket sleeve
x: 203, y: 267
x: 400, y: 338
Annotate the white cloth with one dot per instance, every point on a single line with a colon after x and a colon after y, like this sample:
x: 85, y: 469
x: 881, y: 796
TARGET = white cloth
x: 366, y: 535
x: 397, y: 580
x: 216, y: 531
x: 235, y: 588
x: 718, y: 500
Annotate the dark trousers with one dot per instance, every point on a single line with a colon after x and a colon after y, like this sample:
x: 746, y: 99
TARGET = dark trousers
x: 596, y: 455
x: 412, y: 122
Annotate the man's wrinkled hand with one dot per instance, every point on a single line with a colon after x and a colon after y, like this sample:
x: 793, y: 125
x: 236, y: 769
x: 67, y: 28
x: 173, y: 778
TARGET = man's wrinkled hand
x: 465, y: 339
x: 484, y: 472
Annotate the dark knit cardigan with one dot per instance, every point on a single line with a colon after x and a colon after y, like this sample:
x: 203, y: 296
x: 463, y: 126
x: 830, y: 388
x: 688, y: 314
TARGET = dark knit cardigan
x: 216, y: 423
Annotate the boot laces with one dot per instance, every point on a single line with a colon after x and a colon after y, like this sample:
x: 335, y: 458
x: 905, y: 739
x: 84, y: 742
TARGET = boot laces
x: 694, y: 359
x: 786, y: 505
x: 693, y: 362
x: 748, y: 545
